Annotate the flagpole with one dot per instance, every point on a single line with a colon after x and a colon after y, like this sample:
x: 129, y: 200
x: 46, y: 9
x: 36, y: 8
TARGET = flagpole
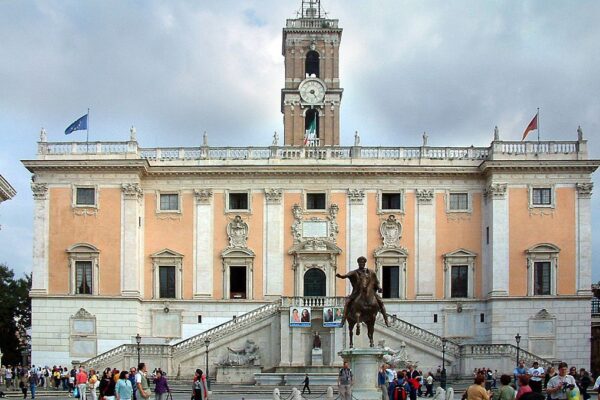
x: 87, y: 127
x: 538, y: 126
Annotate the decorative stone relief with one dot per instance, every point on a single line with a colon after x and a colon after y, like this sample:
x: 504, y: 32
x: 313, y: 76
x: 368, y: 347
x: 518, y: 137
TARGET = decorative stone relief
x: 132, y: 191
x: 496, y: 190
x: 424, y: 196
x: 237, y: 231
x: 273, y: 195
x: 297, y: 225
x: 356, y: 196
x: 542, y: 212
x: 333, y: 225
x: 315, y: 224
x: 40, y: 191
x: 85, y: 212
x: 584, y: 190
x: 203, y: 196
x: 391, y: 232
x: 247, y: 355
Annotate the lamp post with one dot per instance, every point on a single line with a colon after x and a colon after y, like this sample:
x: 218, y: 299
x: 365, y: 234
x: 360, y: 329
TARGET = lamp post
x: 443, y: 377
x: 138, y: 340
x: 207, y: 343
x: 518, y: 339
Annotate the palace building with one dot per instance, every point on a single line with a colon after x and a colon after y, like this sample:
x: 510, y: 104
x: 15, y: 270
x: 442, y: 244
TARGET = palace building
x: 209, y: 246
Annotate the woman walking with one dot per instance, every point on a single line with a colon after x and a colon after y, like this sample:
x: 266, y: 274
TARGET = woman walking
x: 107, y: 385
x: 199, y: 389
x: 161, y: 389
x: 123, y: 388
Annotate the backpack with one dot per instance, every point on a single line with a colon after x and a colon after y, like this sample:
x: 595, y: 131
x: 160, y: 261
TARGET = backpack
x: 400, y: 393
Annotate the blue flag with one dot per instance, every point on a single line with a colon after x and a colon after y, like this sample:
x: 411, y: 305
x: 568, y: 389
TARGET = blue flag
x: 78, y: 125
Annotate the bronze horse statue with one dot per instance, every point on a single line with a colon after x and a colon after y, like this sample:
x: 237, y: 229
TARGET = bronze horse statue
x: 363, y: 304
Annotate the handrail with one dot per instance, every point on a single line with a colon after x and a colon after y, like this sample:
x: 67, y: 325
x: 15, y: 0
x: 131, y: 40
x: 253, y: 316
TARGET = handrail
x: 504, y: 349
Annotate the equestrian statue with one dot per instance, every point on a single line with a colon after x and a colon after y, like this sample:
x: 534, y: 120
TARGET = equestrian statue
x: 363, y: 304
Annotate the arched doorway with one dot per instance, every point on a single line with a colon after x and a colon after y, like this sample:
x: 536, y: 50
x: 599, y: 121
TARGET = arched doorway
x: 315, y: 283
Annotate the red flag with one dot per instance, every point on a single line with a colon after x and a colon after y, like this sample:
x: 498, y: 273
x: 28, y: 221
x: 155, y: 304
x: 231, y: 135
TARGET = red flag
x: 533, y: 125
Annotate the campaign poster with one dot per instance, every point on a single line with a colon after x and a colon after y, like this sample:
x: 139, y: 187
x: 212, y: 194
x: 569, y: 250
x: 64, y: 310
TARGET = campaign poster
x: 300, y: 317
x: 332, y: 317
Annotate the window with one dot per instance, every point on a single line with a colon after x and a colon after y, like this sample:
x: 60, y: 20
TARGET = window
x: 85, y: 196
x: 311, y: 64
x: 316, y: 201
x: 169, y: 202
x: 167, y: 268
x: 542, y: 265
x: 460, y: 281
x: 238, y: 201
x: 459, y: 274
x: 458, y: 202
x: 83, y: 269
x: 237, y: 272
x: 541, y: 196
x: 83, y: 277
x: 391, y: 201
x: 167, y: 282
x: 311, y: 128
x: 541, y: 278
x: 237, y: 282
x: 391, y: 282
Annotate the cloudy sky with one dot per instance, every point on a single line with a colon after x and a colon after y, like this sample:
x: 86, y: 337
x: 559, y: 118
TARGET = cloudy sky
x: 175, y: 69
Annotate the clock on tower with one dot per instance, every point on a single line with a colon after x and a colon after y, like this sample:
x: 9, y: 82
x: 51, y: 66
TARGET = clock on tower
x: 310, y: 99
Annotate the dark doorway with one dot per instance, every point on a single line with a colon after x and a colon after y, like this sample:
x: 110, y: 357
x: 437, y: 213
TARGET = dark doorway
x: 167, y: 282
x: 391, y: 282
x: 237, y: 282
x: 315, y: 283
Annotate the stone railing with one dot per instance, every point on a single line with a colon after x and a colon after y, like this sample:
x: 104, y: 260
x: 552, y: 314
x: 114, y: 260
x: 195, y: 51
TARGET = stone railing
x: 114, y: 357
x: 503, y: 351
x: 419, y: 334
x: 132, y: 150
x: 223, y: 330
x: 311, y: 23
x: 287, y: 302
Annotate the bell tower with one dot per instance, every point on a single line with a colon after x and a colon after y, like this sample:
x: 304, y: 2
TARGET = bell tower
x: 310, y: 99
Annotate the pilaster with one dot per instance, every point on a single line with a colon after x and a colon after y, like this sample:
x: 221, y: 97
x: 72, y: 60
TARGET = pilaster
x: 273, y: 271
x: 497, y: 195
x: 357, y: 227
x: 41, y: 224
x: 425, y: 243
x: 584, y: 238
x: 204, y: 233
x: 131, y: 259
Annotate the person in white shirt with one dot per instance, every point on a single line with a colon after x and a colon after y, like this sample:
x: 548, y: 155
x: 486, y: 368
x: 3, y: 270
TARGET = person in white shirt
x: 537, y: 374
x: 560, y: 384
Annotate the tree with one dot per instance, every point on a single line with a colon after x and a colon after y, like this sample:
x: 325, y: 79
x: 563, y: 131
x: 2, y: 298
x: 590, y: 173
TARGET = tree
x: 15, y: 314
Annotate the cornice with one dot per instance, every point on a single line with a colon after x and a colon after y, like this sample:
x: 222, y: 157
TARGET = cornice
x: 140, y: 165
x: 536, y: 166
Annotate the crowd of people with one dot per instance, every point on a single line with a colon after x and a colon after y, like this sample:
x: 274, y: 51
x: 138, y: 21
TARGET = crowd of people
x: 559, y: 383
x: 111, y: 384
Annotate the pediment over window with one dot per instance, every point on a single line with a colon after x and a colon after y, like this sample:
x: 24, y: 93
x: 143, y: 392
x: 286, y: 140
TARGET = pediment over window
x: 543, y: 248
x: 234, y: 252
x: 459, y: 253
x: 397, y: 252
x: 313, y: 246
x: 83, y: 248
x: 166, y: 253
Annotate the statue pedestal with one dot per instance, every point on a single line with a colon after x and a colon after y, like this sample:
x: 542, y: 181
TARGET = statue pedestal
x: 243, y: 374
x: 317, y: 357
x: 364, y: 363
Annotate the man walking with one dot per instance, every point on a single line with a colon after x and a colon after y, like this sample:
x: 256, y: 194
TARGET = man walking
x: 81, y: 380
x: 559, y: 384
x: 345, y: 382
x: 306, y: 381
x: 537, y: 373
x: 142, y: 383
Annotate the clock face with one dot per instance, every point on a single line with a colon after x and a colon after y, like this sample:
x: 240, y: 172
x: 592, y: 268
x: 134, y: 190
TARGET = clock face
x: 312, y: 91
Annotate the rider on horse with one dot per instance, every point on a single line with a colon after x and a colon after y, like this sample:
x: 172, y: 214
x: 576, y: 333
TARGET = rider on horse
x: 361, y: 278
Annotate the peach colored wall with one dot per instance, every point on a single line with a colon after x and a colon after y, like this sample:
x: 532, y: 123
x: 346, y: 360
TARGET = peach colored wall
x: 528, y: 230
x: 452, y: 234
x: 256, y: 233
x: 407, y: 240
x: 340, y: 200
x: 175, y: 232
x: 289, y: 199
x: 102, y: 231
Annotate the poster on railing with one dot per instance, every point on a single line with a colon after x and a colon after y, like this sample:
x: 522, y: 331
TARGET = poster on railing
x: 332, y: 317
x: 300, y: 317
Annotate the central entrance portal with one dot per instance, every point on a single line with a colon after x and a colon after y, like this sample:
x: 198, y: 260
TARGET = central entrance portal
x: 315, y: 283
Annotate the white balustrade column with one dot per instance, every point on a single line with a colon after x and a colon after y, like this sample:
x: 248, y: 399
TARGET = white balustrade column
x: 357, y: 229
x: 273, y: 243
x: 131, y: 234
x: 584, y: 238
x: 41, y: 226
x: 204, y: 234
x: 425, y: 243
x: 498, y: 195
